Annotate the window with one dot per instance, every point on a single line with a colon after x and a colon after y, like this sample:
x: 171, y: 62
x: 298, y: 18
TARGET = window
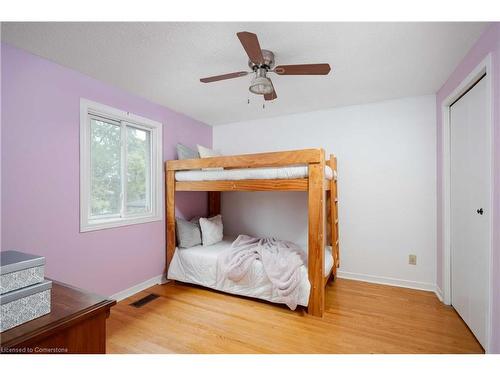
x: 120, y: 168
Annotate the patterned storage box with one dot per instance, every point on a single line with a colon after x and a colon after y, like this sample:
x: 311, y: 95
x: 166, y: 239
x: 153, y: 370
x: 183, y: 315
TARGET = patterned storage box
x: 19, y: 270
x: 23, y: 305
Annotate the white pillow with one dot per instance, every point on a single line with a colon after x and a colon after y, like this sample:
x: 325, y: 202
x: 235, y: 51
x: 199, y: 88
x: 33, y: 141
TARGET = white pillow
x: 205, y: 152
x: 211, y: 230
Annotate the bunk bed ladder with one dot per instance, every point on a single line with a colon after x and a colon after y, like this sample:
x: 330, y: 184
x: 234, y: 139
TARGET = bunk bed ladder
x: 334, y: 217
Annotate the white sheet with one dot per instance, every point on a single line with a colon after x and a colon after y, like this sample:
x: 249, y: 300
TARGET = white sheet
x: 296, y: 171
x: 198, y: 265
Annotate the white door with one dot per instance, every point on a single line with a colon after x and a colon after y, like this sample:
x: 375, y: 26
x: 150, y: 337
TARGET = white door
x: 470, y: 208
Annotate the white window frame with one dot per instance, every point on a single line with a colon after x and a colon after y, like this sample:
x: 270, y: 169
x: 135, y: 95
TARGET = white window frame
x: 89, y: 108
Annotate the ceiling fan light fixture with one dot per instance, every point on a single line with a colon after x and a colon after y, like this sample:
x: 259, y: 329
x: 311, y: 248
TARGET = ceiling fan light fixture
x: 261, y: 86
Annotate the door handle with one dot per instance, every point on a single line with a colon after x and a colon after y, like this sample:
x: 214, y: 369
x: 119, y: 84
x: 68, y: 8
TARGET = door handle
x: 480, y: 211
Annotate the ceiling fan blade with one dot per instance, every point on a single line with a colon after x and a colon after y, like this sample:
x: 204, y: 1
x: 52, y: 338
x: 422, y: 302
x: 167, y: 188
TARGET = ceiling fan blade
x: 223, y: 76
x: 252, y: 47
x: 303, y: 69
x: 272, y: 95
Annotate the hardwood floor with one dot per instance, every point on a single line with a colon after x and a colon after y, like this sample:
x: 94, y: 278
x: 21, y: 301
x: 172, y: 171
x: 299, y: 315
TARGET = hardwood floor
x: 359, y: 318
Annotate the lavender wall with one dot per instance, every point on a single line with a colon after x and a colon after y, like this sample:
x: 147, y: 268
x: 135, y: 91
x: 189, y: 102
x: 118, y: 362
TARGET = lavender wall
x: 40, y: 176
x: 489, y: 42
x: 0, y: 141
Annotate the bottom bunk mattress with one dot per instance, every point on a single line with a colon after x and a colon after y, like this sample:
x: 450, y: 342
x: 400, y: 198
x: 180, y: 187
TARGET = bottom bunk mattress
x: 198, y: 265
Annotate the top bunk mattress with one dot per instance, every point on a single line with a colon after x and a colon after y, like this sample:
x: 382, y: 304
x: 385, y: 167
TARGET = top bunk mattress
x: 281, y: 173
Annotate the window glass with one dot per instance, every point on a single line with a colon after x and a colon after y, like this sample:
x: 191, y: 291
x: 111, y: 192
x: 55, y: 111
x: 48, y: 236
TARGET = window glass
x: 105, y: 168
x: 138, y: 171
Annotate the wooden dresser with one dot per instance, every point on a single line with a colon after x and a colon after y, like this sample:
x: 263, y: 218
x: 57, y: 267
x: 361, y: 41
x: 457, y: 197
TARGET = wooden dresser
x: 76, y: 324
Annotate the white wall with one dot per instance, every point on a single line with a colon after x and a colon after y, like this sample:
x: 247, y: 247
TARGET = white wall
x: 387, y: 185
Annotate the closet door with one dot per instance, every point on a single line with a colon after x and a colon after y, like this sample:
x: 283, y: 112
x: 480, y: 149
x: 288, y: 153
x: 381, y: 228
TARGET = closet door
x: 470, y: 206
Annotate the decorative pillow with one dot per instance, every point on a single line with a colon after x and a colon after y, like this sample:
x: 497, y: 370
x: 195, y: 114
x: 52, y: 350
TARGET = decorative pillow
x: 205, y: 152
x: 184, y: 152
x: 188, y: 232
x: 211, y: 230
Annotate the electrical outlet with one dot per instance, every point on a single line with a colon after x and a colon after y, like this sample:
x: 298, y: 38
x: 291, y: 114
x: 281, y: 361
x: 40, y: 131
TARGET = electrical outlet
x: 412, y: 259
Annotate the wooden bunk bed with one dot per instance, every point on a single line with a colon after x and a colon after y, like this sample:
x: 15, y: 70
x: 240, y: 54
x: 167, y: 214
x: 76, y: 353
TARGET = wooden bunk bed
x: 322, y: 203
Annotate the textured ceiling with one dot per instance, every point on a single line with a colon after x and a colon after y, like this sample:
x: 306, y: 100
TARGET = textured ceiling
x: 164, y: 61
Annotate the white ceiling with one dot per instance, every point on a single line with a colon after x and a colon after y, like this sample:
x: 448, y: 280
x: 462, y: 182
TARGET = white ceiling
x: 164, y: 61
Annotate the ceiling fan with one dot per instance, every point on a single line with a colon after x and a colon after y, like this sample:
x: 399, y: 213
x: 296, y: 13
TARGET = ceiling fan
x: 262, y: 62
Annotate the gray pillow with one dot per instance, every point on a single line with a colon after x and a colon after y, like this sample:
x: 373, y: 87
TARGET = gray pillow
x: 188, y: 232
x: 184, y: 152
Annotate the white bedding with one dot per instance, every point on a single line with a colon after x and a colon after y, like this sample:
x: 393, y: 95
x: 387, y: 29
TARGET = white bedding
x: 296, y: 171
x: 198, y: 265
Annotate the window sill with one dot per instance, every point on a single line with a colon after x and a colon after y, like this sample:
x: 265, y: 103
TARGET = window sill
x: 116, y: 223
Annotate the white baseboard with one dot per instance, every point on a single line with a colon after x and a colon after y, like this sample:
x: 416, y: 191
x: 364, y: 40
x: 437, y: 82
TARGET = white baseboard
x: 387, y: 281
x: 439, y: 293
x: 160, y: 279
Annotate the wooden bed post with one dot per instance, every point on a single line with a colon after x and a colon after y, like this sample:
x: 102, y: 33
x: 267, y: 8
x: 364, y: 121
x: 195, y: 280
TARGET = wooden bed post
x: 213, y: 203
x: 170, y: 220
x: 316, y: 243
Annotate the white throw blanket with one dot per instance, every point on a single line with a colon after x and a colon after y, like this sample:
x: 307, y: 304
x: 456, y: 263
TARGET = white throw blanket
x: 281, y: 261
